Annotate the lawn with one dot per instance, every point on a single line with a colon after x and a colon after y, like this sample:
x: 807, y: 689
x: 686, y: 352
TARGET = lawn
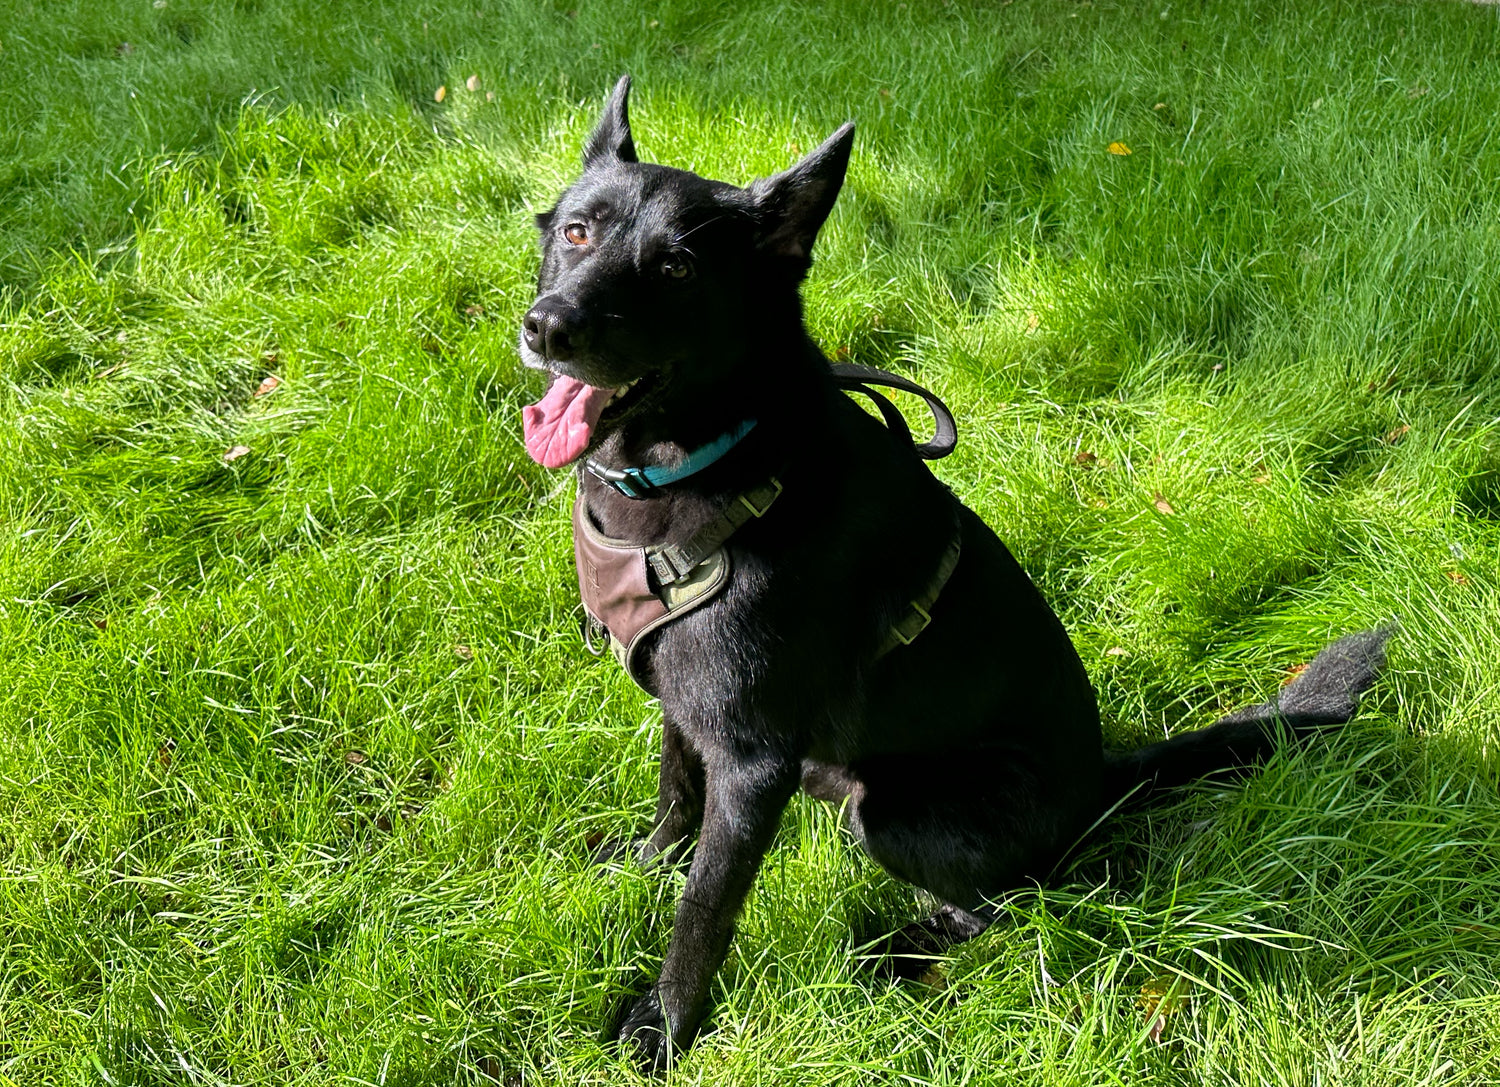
x: 301, y: 759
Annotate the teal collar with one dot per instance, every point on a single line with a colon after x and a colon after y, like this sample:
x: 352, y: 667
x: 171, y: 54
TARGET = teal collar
x: 640, y: 482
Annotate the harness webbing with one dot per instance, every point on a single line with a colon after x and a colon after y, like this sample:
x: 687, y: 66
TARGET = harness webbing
x: 674, y: 562
x: 918, y: 613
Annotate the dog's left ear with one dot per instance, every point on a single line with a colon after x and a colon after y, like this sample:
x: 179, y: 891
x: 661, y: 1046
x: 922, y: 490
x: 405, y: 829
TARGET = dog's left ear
x: 794, y: 203
x: 611, y: 141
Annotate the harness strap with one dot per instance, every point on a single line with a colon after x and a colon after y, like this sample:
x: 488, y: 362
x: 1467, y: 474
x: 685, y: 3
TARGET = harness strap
x: 918, y: 613
x: 853, y: 377
x: 674, y: 562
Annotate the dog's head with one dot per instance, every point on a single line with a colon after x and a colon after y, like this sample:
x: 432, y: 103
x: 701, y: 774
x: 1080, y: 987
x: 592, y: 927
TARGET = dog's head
x: 657, y: 285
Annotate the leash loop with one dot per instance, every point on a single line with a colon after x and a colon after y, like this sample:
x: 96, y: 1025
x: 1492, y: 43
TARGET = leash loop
x: 853, y: 377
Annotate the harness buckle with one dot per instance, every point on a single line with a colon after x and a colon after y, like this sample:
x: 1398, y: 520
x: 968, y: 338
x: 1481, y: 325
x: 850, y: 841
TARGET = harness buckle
x: 900, y: 631
x: 761, y: 511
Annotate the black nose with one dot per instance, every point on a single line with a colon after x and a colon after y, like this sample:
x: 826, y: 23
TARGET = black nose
x: 554, y: 328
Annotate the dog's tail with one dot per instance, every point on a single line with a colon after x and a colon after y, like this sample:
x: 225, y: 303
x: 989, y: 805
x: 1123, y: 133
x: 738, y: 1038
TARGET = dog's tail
x: 1324, y: 694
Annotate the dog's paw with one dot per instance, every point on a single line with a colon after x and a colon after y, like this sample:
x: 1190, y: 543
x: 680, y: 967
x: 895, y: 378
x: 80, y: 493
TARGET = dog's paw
x: 643, y: 851
x: 618, y: 850
x: 647, y: 1036
x: 912, y: 951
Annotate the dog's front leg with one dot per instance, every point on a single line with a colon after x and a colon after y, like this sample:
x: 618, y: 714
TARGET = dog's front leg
x: 743, y: 805
x: 679, y: 797
x: 679, y: 806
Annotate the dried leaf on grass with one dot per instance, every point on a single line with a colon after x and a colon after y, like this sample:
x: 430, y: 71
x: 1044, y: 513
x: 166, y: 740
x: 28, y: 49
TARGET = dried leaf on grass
x: 1161, y: 997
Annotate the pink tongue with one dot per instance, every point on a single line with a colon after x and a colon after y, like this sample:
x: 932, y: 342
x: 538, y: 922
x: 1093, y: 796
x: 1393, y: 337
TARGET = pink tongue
x: 558, y: 426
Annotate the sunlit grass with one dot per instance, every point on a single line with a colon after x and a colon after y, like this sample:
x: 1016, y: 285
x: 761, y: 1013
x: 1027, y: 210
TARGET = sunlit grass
x: 301, y: 759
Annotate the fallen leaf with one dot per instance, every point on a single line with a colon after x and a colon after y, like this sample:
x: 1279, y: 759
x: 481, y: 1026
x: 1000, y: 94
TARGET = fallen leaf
x: 164, y: 752
x: 1394, y: 436
x: 439, y: 94
x: 1118, y: 148
x: 1161, y: 997
x: 100, y: 622
x: 1292, y: 673
x: 472, y: 82
x: 1456, y: 576
x: 1264, y: 477
x: 356, y: 757
x: 267, y: 383
x: 1162, y: 504
x: 235, y: 452
x: 1480, y: 929
x: 1084, y: 459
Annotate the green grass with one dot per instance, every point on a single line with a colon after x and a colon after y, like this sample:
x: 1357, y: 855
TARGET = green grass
x: 300, y: 755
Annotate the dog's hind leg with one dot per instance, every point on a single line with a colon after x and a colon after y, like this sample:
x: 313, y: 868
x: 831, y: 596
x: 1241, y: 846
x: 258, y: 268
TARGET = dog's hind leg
x: 965, y: 826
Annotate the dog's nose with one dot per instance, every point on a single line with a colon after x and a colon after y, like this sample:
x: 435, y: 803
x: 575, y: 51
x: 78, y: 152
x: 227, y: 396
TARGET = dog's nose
x: 554, y: 329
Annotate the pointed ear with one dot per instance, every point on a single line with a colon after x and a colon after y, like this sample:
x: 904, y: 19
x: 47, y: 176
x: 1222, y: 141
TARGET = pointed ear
x: 611, y: 140
x: 794, y: 203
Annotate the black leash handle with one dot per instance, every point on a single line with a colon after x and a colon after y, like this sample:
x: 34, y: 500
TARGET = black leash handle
x: 852, y: 377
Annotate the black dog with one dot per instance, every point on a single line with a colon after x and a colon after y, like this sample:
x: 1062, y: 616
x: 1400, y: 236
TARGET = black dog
x: 794, y: 550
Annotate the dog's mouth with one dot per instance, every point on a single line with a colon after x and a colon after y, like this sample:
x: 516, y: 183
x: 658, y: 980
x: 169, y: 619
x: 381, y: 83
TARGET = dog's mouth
x: 560, y: 427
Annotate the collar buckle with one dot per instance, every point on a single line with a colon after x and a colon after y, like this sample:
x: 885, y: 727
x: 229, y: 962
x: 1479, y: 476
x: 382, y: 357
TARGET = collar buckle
x: 631, y: 482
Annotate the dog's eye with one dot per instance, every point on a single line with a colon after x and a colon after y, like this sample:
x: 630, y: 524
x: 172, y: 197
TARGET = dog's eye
x: 676, y: 267
x: 576, y: 233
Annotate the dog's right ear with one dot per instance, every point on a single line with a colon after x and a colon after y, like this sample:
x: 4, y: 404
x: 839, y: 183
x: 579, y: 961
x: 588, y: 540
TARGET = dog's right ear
x: 611, y: 141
